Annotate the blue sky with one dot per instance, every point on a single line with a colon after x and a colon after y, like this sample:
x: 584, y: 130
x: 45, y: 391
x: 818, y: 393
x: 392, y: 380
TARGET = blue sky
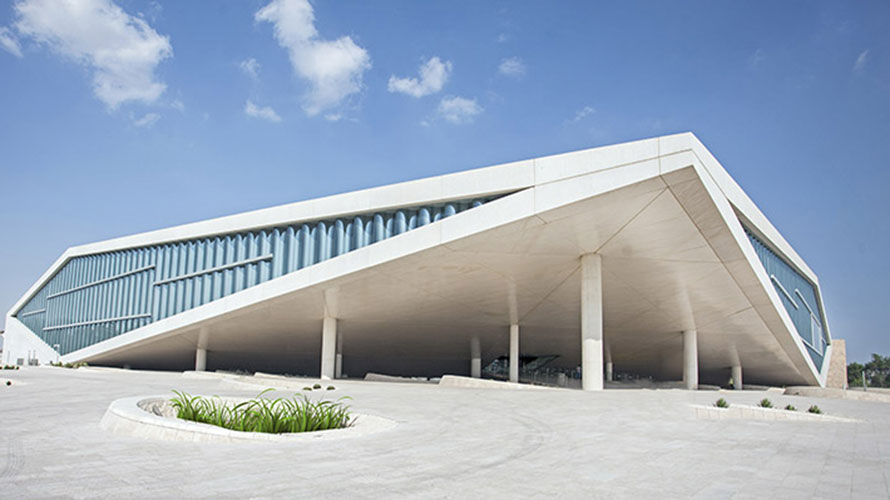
x: 126, y: 116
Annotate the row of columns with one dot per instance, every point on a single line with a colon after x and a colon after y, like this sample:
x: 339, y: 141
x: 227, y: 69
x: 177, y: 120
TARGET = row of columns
x: 332, y: 365
x: 595, y: 354
x: 329, y: 331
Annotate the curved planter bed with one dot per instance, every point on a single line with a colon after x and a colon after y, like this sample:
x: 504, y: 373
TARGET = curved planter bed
x: 745, y: 412
x: 152, y: 417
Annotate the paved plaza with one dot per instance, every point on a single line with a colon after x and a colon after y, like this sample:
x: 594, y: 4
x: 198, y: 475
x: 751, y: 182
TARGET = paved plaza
x: 449, y: 443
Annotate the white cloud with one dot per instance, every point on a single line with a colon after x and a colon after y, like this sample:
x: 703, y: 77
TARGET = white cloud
x: 147, y: 121
x: 250, y: 67
x: 502, y: 37
x: 513, y: 67
x: 333, y: 68
x: 9, y: 42
x: 153, y: 11
x: 121, y: 51
x: 178, y: 105
x: 264, y: 112
x: 458, y: 109
x: 756, y: 58
x: 861, y: 61
x: 433, y: 75
x: 583, y: 113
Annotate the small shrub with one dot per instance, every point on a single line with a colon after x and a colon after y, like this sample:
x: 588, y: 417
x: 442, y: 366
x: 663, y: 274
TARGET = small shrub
x: 815, y: 409
x: 307, y: 388
x: 790, y: 408
x: 68, y: 365
x: 721, y: 403
x: 765, y: 403
x: 331, y: 388
x: 316, y: 386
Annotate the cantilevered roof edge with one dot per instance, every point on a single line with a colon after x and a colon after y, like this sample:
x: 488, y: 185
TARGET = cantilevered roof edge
x: 485, y: 181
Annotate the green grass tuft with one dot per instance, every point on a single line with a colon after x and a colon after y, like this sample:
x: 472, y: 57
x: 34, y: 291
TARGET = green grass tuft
x: 815, y: 409
x: 765, y: 403
x: 316, y: 386
x: 331, y: 388
x: 276, y: 416
x: 721, y: 403
x: 68, y: 365
x: 790, y: 408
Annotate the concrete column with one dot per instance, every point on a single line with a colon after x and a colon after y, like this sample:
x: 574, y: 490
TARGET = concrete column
x: 338, y: 359
x: 608, y: 354
x: 475, y: 358
x: 514, y: 353
x: 328, y: 347
x: 200, y: 359
x: 201, y: 351
x: 737, y: 377
x: 591, y: 322
x: 690, y: 359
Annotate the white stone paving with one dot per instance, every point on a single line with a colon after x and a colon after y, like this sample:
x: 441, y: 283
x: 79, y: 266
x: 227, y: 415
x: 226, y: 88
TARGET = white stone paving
x: 450, y: 443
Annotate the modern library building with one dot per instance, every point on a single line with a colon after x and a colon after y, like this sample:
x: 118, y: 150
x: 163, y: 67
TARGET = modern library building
x: 637, y: 260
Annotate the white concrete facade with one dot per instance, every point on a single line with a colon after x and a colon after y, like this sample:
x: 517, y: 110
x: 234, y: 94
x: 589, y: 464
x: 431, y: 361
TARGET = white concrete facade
x: 634, y: 243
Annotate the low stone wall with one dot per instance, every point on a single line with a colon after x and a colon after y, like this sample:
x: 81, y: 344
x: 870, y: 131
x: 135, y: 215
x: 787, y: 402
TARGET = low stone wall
x: 828, y: 392
x: 876, y: 390
x: 150, y: 417
x: 744, y: 412
x: 654, y: 384
x: 379, y: 377
x: 481, y: 383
